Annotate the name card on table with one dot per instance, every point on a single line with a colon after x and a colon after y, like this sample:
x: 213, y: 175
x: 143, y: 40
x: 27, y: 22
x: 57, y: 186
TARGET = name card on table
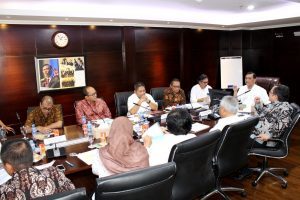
x: 55, y: 139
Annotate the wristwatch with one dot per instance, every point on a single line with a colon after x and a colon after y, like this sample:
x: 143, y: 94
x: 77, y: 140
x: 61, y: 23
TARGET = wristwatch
x: 148, y: 101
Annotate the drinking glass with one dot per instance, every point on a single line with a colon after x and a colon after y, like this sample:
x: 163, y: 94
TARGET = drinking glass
x: 3, y: 137
x: 24, y: 132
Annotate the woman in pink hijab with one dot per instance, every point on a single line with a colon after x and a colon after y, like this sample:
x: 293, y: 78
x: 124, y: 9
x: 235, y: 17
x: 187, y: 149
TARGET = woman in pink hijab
x: 122, y: 153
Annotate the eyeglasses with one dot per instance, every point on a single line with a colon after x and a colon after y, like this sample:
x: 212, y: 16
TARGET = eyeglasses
x: 47, y: 109
x: 205, y: 82
x: 94, y: 94
x: 176, y: 86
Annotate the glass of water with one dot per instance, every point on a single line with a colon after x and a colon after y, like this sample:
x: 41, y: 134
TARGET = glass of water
x: 24, y: 132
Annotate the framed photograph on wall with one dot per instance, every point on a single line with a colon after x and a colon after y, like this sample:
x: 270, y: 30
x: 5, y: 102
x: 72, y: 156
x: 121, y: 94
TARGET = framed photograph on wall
x: 57, y: 73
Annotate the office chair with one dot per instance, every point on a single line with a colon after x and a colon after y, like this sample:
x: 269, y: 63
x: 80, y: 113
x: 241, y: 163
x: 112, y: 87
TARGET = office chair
x: 280, y: 151
x: 193, y: 158
x: 267, y: 82
x: 158, y: 95
x: 77, y: 194
x: 121, y: 102
x: 231, y: 154
x: 148, y: 184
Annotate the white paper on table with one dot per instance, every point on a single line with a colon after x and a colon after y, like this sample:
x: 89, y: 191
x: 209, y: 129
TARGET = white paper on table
x: 89, y: 156
x: 247, y: 109
x: 44, y: 166
x: 4, y: 176
x: 154, y: 131
x: 196, y: 127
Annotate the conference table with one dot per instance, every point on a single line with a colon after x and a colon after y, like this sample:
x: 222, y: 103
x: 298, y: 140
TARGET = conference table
x: 81, y: 173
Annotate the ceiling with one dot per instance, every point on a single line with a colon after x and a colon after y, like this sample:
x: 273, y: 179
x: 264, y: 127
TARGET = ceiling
x: 198, y: 14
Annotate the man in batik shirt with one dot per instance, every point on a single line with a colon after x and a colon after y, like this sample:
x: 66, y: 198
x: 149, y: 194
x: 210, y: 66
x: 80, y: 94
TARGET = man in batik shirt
x: 174, y: 95
x: 91, y: 107
x: 26, y: 181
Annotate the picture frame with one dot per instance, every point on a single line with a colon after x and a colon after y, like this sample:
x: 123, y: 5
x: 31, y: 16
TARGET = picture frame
x: 60, y: 72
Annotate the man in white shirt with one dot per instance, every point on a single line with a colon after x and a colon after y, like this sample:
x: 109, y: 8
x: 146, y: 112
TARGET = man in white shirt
x: 228, y: 112
x: 199, y: 92
x: 140, y: 101
x: 250, y: 91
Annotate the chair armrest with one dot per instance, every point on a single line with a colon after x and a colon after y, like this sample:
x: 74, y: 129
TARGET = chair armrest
x: 276, y: 140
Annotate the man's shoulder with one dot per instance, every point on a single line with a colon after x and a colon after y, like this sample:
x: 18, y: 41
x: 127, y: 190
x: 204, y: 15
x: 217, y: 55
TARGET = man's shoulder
x: 259, y: 88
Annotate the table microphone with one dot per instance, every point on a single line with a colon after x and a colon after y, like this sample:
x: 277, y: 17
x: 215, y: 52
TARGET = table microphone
x: 242, y: 93
x: 142, y: 106
x: 18, y: 117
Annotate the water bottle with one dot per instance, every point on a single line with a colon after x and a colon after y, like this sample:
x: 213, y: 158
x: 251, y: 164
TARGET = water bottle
x: 32, y: 145
x: 33, y: 131
x: 90, y: 132
x: 84, y: 126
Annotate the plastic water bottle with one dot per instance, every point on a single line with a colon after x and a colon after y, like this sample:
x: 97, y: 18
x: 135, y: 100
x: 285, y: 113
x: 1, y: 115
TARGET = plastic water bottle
x: 84, y: 126
x: 33, y: 131
x: 90, y: 132
x: 32, y: 145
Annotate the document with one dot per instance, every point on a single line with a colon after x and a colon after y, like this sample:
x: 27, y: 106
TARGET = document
x: 154, y: 131
x: 89, y: 156
x: 196, y: 127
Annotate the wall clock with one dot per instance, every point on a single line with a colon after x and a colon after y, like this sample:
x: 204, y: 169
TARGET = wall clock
x: 60, y: 39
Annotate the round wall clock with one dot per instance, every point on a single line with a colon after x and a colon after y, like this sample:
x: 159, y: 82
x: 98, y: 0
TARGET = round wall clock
x: 60, y: 39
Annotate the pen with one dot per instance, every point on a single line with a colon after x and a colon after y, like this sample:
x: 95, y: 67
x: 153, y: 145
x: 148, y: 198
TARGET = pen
x: 70, y: 164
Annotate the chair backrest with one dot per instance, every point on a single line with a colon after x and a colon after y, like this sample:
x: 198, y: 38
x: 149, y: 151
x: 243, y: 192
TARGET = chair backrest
x: 193, y: 159
x: 232, y: 150
x: 158, y: 95
x: 77, y: 194
x: 121, y: 102
x: 150, y: 183
x: 267, y: 82
x: 287, y: 133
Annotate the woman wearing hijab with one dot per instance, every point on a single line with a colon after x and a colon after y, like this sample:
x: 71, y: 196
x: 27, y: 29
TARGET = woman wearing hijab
x: 122, y: 153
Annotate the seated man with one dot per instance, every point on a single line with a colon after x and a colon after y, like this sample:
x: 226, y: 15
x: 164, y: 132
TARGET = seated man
x: 6, y: 128
x: 91, y: 107
x: 179, y: 124
x: 228, y: 112
x: 26, y: 181
x: 250, y: 91
x: 273, y: 118
x: 45, y: 117
x: 140, y: 101
x: 174, y: 95
x: 199, y: 92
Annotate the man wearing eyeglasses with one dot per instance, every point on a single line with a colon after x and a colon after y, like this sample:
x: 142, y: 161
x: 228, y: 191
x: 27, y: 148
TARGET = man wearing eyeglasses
x: 45, y: 117
x: 174, y: 95
x: 199, y: 92
x: 91, y: 107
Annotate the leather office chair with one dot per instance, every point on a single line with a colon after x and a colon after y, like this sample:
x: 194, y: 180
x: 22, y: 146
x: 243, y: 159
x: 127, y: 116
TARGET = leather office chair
x: 267, y: 82
x: 193, y: 158
x: 121, y: 102
x: 148, y: 184
x: 231, y: 153
x: 158, y: 95
x: 280, y: 151
x: 77, y: 194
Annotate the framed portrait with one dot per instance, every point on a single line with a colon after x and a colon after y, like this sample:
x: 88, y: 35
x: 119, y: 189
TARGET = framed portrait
x: 57, y: 73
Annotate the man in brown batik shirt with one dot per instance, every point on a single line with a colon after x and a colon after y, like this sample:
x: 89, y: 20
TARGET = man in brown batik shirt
x: 174, y: 95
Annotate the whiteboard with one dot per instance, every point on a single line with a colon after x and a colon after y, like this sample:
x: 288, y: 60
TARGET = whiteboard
x: 231, y: 71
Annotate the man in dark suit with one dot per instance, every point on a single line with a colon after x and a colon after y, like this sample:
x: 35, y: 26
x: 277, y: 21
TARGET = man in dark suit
x: 47, y: 80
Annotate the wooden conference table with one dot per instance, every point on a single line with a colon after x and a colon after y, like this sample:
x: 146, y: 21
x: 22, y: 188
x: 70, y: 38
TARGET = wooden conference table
x: 81, y: 173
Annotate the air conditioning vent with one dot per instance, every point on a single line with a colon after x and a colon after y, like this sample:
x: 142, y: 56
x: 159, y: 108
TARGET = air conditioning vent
x: 297, y: 33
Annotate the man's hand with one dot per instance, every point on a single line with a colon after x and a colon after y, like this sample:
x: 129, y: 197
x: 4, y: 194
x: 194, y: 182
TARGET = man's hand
x: 147, y: 140
x: 44, y: 130
x: 263, y: 137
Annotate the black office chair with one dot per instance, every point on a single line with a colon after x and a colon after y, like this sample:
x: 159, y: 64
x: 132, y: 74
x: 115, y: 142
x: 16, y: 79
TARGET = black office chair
x: 148, y: 184
x: 280, y: 151
x: 193, y: 158
x: 77, y: 194
x: 121, y: 102
x: 158, y: 95
x: 231, y: 153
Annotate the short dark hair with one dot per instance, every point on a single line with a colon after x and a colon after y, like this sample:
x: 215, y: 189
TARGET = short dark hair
x: 202, y: 77
x: 282, y: 92
x: 84, y: 90
x: 254, y: 75
x: 18, y: 153
x: 138, y: 84
x: 179, y: 121
x: 174, y: 80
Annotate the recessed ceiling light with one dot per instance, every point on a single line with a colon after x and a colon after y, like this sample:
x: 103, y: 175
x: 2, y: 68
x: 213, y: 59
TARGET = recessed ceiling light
x: 198, y: 1
x: 66, y: 19
x: 250, y: 7
x: 53, y: 26
x: 92, y: 27
x: 168, y: 22
x: 8, y: 17
x: 111, y: 20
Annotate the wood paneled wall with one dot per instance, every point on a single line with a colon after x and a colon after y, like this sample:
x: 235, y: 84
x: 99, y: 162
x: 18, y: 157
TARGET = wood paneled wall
x: 117, y: 57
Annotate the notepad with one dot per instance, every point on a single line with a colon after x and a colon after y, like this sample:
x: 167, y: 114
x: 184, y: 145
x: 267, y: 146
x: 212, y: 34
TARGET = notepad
x: 89, y: 156
x: 196, y: 127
